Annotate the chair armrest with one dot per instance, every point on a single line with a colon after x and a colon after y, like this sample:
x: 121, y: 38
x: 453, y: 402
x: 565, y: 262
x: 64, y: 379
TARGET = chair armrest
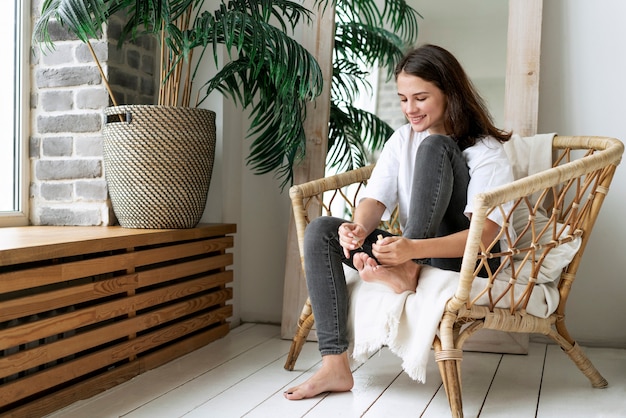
x: 307, y: 199
x: 575, y: 189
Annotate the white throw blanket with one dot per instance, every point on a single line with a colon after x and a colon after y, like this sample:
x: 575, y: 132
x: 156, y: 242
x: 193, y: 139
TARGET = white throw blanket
x: 529, y: 155
x: 407, y: 322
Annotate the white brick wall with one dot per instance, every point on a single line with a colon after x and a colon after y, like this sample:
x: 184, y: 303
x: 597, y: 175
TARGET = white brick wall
x: 388, y: 105
x: 68, y: 184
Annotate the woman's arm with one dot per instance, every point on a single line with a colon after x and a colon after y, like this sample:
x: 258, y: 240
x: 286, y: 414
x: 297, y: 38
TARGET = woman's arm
x: 397, y: 250
x: 366, y: 218
x: 368, y: 214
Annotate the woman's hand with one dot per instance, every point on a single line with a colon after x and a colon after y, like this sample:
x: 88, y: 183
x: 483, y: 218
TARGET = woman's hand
x: 351, y: 237
x: 394, y: 250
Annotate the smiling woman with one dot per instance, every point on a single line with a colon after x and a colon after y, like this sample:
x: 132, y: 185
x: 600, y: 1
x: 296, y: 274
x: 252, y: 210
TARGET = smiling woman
x: 12, y: 158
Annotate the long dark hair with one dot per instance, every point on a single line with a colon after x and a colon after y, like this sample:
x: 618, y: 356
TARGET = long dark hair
x: 466, y: 117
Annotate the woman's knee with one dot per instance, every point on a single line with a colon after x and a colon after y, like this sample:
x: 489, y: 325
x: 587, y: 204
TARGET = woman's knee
x: 323, y: 226
x: 436, y: 142
x: 436, y: 147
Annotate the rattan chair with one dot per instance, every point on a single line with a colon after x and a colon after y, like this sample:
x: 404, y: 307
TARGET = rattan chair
x: 570, y: 194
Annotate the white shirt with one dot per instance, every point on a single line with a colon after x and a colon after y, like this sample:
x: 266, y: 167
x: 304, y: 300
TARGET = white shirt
x: 390, y: 182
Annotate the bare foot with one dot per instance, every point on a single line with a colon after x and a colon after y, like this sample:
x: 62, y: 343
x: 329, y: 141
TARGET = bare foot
x: 361, y: 259
x: 399, y: 278
x: 334, y: 376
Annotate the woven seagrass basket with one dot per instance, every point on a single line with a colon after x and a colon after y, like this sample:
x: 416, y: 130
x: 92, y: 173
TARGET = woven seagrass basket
x: 158, y: 162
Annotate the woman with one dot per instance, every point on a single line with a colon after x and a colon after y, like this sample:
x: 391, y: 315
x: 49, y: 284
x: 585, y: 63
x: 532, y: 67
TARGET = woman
x: 430, y: 169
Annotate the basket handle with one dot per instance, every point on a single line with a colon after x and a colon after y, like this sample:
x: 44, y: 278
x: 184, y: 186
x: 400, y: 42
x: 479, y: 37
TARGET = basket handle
x: 124, y: 117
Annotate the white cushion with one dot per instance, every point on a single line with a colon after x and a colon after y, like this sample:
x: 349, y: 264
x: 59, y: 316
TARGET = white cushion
x: 556, y: 259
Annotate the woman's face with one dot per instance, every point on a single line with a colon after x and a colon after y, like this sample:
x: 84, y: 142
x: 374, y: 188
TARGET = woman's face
x: 423, y: 103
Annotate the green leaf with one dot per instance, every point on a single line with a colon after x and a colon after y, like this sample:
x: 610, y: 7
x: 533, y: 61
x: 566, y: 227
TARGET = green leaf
x: 83, y: 18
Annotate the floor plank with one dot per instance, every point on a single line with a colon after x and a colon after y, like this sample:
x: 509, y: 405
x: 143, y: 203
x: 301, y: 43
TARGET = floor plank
x: 567, y: 392
x: 248, y: 394
x: 276, y: 405
x: 370, y: 380
x: 151, y: 385
x: 242, y: 375
x: 406, y: 396
x: 207, y: 385
x: 515, y: 388
x: 477, y: 371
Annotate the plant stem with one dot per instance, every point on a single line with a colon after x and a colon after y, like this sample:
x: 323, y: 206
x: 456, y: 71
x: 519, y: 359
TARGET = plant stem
x: 187, y: 87
x: 105, y: 80
x: 162, y: 59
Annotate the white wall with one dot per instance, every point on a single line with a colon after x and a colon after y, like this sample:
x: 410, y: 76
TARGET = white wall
x: 475, y: 32
x: 256, y: 205
x: 260, y: 210
x: 582, y: 89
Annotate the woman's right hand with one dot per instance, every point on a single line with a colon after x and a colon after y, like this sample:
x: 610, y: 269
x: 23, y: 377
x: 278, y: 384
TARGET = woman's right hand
x: 351, y: 237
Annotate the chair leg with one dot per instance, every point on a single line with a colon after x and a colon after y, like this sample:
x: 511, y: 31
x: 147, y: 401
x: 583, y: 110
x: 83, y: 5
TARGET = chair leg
x: 452, y: 385
x: 581, y: 360
x: 305, y: 323
x: 577, y: 355
x: 449, y: 362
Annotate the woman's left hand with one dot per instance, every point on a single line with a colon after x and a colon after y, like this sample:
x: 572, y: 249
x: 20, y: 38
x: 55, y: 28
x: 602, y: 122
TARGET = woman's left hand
x: 394, y: 250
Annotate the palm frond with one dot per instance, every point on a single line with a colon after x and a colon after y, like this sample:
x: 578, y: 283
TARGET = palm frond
x: 369, y: 45
x: 365, y: 38
x: 265, y: 48
x: 403, y: 19
x: 277, y: 116
x: 397, y: 16
x: 228, y: 81
x: 84, y: 18
x: 150, y: 16
x: 354, y: 134
x: 365, y: 11
x: 349, y: 81
x: 278, y: 131
x: 287, y: 14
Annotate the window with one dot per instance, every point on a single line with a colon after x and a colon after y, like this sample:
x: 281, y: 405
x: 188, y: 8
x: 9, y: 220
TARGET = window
x: 13, y: 114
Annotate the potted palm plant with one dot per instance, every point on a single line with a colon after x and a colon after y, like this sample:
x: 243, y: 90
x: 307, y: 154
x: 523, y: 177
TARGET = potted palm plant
x: 267, y: 72
x: 367, y: 37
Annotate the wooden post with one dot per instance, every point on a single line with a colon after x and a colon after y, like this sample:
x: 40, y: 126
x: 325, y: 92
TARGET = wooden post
x: 521, y: 110
x: 521, y: 93
x: 318, y: 38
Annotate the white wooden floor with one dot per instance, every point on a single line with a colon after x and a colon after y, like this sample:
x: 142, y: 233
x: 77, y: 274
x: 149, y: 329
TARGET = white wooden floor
x: 242, y: 375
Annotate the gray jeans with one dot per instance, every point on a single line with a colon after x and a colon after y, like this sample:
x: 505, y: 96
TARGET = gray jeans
x: 438, y: 199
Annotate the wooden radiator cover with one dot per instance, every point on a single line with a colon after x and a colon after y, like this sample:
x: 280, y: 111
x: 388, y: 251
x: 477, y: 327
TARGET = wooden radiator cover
x: 83, y: 309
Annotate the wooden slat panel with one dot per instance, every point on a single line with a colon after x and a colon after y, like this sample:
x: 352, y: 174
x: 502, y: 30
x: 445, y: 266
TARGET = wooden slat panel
x: 163, y: 274
x: 43, y: 276
x: 42, y: 302
x: 46, y: 353
x: 87, y: 316
x: 35, y: 277
x: 173, y: 252
x: 54, y: 299
x: 68, y: 291
x: 69, y: 295
x: 54, y: 376
x: 39, y: 276
x: 35, y: 243
x: 92, y: 386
